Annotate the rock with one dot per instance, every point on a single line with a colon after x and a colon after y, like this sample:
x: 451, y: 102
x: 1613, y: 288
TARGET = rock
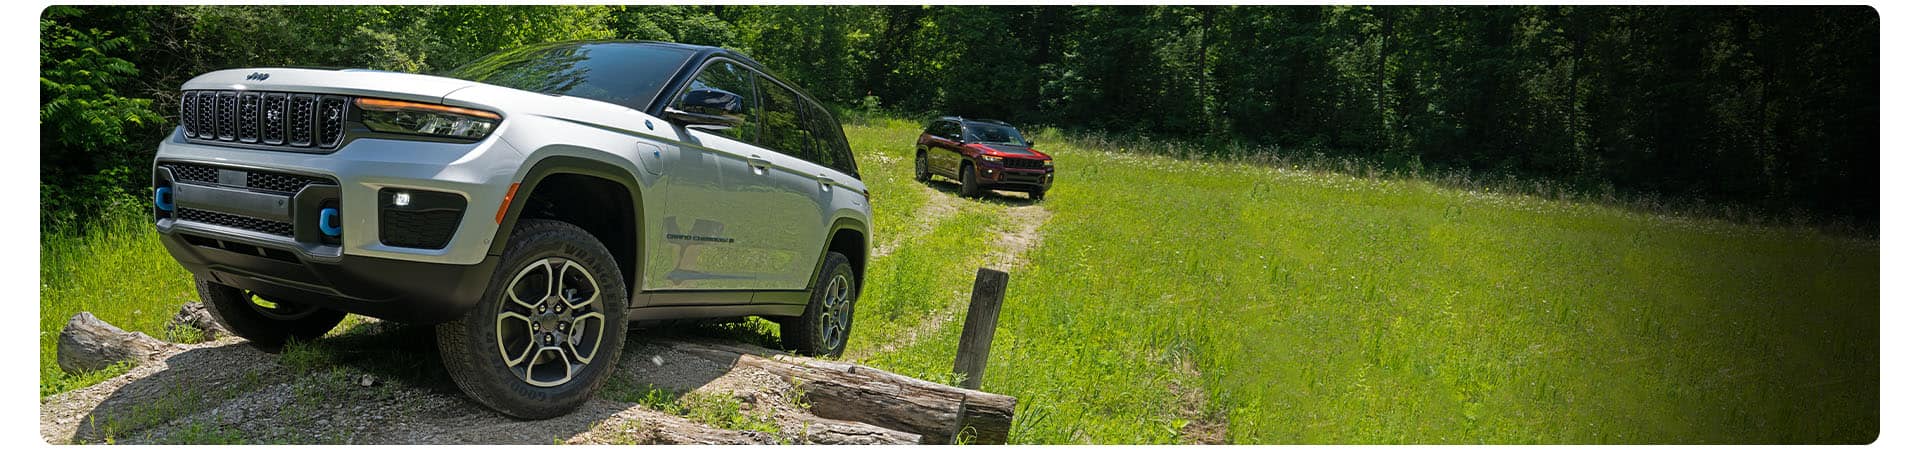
x: 366, y: 381
x: 88, y: 344
x: 194, y: 316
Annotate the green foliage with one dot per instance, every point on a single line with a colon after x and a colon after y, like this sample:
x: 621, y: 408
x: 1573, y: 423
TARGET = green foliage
x: 1771, y: 109
x: 90, y: 132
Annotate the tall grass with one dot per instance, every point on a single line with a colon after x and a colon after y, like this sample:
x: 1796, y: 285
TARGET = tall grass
x: 1323, y: 308
x: 115, y: 269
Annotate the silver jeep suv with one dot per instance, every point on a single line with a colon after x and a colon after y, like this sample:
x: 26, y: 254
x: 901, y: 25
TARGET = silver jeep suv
x: 531, y: 204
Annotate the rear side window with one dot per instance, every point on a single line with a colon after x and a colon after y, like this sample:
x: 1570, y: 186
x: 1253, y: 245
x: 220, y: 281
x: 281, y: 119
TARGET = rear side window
x: 831, y: 141
x: 785, y: 123
x: 724, y: 89
x: 944, y: 129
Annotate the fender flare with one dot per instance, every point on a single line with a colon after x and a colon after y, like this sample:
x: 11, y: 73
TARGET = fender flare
x: 575, y: 165
x: 866, y: 246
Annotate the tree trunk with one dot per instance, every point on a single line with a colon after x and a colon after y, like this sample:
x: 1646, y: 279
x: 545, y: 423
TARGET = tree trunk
x: 835, y: 390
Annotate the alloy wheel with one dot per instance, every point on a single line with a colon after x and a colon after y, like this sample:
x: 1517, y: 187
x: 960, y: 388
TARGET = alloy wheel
x: 551, y: 324
x: 836, y: 311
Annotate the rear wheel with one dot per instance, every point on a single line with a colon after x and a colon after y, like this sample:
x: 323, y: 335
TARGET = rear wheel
x: 969, y: 187
x: 549, y: 329
x: 264, y: 321
x: 920, y: 172
x: 823, y: 328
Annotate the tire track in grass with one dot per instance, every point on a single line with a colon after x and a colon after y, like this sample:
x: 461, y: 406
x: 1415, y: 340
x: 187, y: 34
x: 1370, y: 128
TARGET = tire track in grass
x: 1016, y: 232
x: 938, y: 208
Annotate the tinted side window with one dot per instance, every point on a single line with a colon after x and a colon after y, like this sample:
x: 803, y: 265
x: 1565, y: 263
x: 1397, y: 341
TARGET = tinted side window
x: 785, y: 128
x: 724, y: 89
x: 832, y: 142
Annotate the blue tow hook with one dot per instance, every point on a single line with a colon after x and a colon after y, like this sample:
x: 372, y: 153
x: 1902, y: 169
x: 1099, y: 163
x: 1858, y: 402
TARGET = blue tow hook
x: 330, y: 222
x: 163, y: 198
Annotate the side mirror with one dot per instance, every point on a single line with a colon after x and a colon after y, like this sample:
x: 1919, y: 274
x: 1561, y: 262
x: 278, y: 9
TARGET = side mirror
x: 709, y: 108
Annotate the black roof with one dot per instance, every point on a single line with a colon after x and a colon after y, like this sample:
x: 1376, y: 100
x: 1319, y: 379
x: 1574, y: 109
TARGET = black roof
x: 964, y: 120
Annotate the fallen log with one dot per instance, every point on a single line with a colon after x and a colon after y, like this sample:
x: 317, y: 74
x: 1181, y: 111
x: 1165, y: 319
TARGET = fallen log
x: 88, y: 344
x: 940, y: 414
x: 841, y: 432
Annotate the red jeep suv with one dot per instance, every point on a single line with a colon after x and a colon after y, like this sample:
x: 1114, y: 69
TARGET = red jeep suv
x: 982, y: 154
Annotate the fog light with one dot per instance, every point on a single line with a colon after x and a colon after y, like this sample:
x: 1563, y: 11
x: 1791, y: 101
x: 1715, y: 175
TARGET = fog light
x: 402, y: 199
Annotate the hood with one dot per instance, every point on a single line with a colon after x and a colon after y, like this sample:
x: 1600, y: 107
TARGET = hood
x: 1016, y: 150
x: 359, y: 83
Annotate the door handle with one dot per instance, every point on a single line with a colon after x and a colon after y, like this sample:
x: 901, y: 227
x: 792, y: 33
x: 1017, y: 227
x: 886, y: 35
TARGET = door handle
x: 758, y: 164
x: 826, y: 182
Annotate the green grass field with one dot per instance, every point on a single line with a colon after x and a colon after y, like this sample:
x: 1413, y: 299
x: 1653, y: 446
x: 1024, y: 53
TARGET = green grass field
x: 1171, y: 300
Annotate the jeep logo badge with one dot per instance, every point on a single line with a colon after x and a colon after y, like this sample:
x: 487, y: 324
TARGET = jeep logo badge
x: 257, y: 76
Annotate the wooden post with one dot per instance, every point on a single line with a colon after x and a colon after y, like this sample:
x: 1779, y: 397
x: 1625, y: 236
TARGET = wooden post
x: 976, y: 336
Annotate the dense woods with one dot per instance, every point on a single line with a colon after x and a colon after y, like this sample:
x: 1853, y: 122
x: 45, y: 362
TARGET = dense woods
x: 1770, y: 109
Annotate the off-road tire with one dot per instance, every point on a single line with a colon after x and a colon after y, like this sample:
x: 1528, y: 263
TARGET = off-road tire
x: 268, y: 327
x: 1037, y: 195
x: 920, y: 171
x: 475, y: 357
x: 969, y: 184
x: 808, y: 334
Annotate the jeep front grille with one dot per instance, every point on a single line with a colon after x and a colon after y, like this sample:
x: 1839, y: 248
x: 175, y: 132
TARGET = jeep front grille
x: 1020, y: 163
x: 264, y: 118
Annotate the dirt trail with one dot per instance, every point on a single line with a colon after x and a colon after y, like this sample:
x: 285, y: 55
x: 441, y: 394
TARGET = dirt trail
x: 382, y: 383
x: 230, y: 391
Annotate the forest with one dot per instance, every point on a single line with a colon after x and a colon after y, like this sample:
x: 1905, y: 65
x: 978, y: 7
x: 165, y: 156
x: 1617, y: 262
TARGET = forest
x: 1769, y: 111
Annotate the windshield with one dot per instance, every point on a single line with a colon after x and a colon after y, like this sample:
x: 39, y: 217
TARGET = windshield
x: 626, y: 74
x: 987, y: 133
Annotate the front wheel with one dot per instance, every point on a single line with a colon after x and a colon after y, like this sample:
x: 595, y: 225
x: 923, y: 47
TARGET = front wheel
x: 823, y: 328
x: 549, y: 329
x: 969, y: 187
x: 1037, y: 195
x: 920, y: 172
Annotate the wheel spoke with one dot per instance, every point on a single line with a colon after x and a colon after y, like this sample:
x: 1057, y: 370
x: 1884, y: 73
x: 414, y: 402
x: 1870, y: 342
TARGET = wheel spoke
x: 590, y: 284
x: 500, y: 337
x: 579, y: 334
x: 566, y: 367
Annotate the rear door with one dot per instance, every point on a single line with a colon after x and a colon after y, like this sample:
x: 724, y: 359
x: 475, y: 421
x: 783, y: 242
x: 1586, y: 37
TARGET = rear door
x: 944, y: 155
x: 795, y: 207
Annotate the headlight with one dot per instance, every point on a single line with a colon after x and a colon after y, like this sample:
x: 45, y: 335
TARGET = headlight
x: 393, y: 116
x: 1048, y: 163
x: 990, y: 158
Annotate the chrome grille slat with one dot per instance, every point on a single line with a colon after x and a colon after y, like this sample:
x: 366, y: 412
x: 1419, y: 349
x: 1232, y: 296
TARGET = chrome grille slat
x: 273, y: 119
x: 188, y: 112
x: 206, y: 114
x: 223, y: 115
x: 247, y: 125
x: 300, y: 120
x: 333, y: 114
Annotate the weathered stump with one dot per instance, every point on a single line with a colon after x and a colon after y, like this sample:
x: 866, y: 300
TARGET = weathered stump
x: 88, y: 344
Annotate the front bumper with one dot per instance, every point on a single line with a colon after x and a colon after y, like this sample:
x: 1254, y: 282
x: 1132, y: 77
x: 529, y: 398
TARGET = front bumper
x: 997, y: 176
x: 233, y: 232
